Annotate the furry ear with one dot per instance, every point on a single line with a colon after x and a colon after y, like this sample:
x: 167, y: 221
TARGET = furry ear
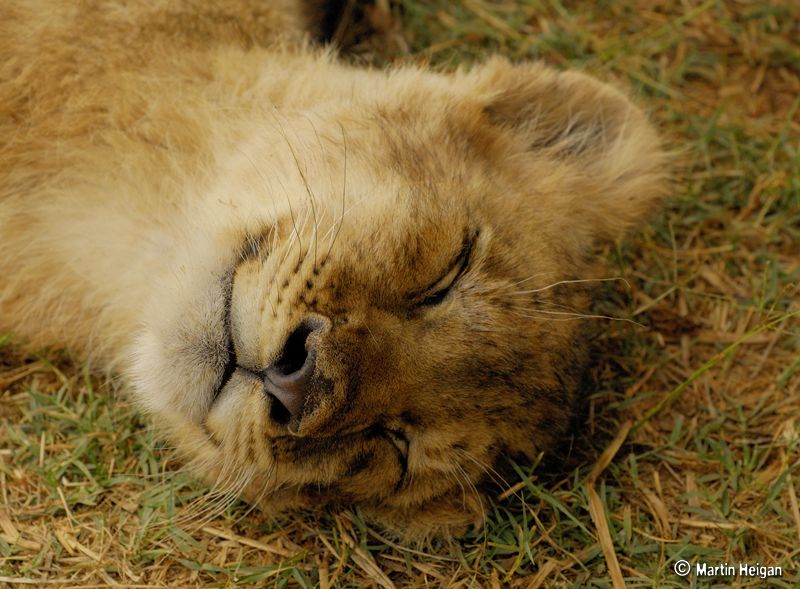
x: 582, y: 145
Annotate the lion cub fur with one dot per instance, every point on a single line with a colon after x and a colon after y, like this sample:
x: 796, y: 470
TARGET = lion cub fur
x: 184, y: 183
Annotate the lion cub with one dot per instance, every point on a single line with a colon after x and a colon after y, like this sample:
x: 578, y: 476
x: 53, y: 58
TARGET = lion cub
x: 329, y: 286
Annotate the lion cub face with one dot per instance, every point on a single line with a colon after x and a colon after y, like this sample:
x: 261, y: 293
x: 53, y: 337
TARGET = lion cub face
x: 379, y: 298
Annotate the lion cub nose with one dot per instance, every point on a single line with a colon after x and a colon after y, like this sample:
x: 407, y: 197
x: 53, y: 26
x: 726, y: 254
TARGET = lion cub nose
x: 289, y: 377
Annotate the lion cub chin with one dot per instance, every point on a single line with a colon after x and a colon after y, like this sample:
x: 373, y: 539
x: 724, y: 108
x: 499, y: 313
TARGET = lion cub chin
x: 329, y: 286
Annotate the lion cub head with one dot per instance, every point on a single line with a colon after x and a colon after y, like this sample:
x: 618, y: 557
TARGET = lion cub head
x: 378, y: 300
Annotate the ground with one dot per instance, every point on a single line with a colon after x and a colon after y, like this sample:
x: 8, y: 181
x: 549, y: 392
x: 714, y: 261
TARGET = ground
x: 696, y: 390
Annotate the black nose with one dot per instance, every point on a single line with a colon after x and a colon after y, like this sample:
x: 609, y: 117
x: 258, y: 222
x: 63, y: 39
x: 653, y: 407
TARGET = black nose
x: 288, y: 379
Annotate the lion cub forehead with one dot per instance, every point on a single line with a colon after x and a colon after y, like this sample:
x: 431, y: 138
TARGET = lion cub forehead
x: 414, y: 230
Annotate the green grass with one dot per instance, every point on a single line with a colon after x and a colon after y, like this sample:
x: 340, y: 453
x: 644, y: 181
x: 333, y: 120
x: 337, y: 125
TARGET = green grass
x: 710, y: 472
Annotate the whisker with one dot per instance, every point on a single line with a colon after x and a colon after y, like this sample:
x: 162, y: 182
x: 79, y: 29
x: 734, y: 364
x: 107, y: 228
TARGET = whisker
x: 473, y: 489
x: 219, y: 499
x: 344, y: 191
x: 544, y: 288
x: 530, y: 278
x: 370, y: 332
x: 571, y: 316
x: 288, y: 199
x: 495, y: 476
x: 309, y: 192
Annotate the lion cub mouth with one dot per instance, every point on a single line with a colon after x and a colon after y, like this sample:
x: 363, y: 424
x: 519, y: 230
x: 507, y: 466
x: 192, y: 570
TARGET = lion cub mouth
x: 229, y: 349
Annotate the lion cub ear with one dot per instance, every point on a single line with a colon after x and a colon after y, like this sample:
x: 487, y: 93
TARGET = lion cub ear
x: 591, y: 162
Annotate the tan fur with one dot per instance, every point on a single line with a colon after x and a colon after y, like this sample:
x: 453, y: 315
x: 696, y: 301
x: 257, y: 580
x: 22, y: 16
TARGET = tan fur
x: 177, y: 183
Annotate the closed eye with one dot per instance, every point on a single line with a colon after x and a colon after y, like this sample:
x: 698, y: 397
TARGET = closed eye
x: 439, y: 291
x: 441, y: 288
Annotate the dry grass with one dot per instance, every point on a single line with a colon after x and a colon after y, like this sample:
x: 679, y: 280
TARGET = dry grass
x: 89, y: 499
